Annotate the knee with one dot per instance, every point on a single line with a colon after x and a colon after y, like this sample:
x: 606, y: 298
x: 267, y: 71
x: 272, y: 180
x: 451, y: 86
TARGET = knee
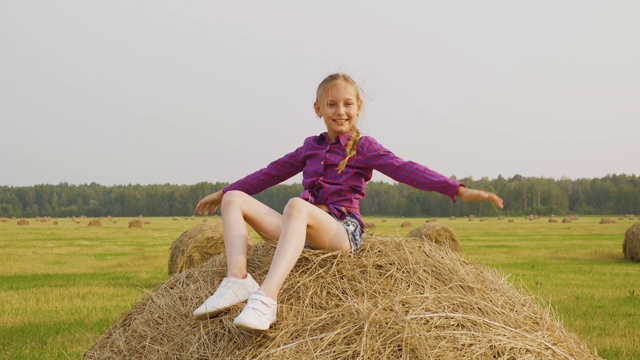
x: 233, y: 197
x: 295, y: 206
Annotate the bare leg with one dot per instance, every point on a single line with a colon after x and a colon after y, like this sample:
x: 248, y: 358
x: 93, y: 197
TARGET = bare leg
x: 302, y: 220
x: 238, y: 207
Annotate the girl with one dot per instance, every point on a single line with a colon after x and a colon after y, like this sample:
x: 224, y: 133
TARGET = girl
x: 335, y: 166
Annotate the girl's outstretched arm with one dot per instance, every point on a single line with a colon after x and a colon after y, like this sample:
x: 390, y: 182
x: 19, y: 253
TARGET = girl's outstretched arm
x: 467, y: 194
x: 209, y: 203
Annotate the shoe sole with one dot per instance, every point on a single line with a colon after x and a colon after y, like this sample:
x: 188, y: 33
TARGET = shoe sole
x: 211, y: 314
x: 249, y: 327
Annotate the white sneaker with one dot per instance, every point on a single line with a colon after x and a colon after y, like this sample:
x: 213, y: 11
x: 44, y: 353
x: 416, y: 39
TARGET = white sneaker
x: 230, y: 292
x: 259, y: 313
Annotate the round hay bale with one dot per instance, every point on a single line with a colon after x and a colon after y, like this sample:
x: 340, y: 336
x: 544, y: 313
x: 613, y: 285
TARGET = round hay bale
x: 195, y: 247
x: 439, y: 234
x: 369, y: 225
x: 23, y: 222
x: 510, y: 220
x: 4, y: 220
x: 430, y: 220
x: 405, y: 224
x: 631, y: 244
x: 553, y: 220
x: 566, y: 220
x: 175, y: 219
x: 394, y: 299
x: 384, y: 220
x: 607, y: 221
x: 146, y: 222
x: 54, y: 223
x: 95, y: 222
x: 452, y: 218
x: 135, y: 223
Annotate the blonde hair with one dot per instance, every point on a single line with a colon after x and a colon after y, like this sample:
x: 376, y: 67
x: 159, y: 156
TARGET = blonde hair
x: 323, y: 88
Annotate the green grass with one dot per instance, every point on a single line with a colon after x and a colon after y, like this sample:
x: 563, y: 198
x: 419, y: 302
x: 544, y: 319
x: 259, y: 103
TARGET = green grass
x: 62, y: 286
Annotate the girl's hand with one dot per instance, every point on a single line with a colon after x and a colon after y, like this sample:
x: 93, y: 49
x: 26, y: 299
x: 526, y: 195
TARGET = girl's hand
x: 467, y: 194
x: 209, y: 203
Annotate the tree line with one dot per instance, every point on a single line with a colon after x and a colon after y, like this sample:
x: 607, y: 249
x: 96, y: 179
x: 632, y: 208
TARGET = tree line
x: 610, y: 195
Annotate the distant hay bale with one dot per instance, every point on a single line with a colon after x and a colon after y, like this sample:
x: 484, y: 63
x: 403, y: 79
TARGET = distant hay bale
x: 574, y: 218
x: 175, y: 219
x: 631, y: 244
x: 369, y: 225
x: 195, y: 247
x: 553, y: 220
x: 452, y: 218
x: 135, y: 223
x: 146, y: 222
x: 393, y: 299
x: 566, y: 220
x: 4, y: 220
x: 483, y: 219
x: 54, y: 223
x: 23, y: 222
x: 510, y: 220
x: 439, y: 234
x: 501, y: 218
x: 607, y: 221
x: 430, y: 220
x: 95, y: 222
x: 384, y: 220
x: 405, y: 224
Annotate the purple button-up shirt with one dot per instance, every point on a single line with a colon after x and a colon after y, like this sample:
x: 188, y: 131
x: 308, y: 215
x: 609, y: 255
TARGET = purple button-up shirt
x: 341, y: 192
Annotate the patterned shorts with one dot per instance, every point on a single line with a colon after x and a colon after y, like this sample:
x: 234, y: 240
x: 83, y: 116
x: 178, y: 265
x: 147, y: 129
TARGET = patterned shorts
x: 354, y: 231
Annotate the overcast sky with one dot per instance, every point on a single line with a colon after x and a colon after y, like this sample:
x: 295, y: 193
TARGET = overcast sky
x: 151, y: 92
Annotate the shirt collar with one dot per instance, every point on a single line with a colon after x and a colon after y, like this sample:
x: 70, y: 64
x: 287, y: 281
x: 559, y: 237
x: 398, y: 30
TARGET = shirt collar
x: 343, y: 138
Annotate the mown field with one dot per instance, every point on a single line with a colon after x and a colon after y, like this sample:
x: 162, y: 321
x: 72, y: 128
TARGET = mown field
x: 62, y: 286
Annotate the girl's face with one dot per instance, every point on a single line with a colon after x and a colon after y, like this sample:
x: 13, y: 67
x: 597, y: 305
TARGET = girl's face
x: 339, y: 108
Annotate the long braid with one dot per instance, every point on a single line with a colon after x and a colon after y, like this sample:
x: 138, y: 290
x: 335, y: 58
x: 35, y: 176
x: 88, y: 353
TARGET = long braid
x: 352, y: 146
